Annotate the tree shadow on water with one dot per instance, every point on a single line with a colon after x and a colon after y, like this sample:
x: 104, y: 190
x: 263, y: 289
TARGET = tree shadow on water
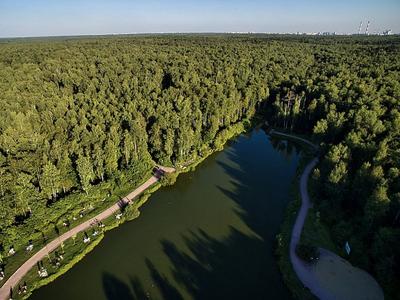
x: 231, y: 268
x: 116, y: 289
x: 261, y: 187
x: 167, y: 290
x: 240, y: 265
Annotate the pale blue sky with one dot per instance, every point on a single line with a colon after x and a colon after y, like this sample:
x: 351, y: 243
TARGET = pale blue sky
x: 74, y: 17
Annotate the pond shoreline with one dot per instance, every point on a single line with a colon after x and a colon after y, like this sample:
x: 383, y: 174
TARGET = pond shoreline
x: 231, y: 206
x: 307, y: 281
x: 141, y: 199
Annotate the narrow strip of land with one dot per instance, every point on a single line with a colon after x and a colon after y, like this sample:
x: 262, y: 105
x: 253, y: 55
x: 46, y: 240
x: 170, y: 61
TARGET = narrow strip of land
x: 302, y: 270
x: 274, y: 132
x: 331, y: 277
x: 32, y: 261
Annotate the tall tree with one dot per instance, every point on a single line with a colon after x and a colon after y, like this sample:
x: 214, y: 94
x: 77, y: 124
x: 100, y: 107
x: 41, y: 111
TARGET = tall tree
x: 50, y: 181
x: 85, y: 172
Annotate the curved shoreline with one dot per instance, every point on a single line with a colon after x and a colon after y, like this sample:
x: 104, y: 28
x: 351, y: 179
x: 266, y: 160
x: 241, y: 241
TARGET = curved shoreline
x: 307, y: 274
x: 302, y: 270
x: 235, y: 129
x: 17, y: 276
x: 275, y: 132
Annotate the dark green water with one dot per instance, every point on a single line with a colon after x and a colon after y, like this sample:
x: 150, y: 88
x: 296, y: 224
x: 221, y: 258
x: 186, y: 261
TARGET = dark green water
x: 209, y: 236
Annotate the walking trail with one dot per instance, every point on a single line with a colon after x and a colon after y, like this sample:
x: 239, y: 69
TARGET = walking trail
x: 331, y: 277
x: 32, y: 261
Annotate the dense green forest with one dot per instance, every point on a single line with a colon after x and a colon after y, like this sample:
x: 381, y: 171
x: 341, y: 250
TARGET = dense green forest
x: 79, y: 112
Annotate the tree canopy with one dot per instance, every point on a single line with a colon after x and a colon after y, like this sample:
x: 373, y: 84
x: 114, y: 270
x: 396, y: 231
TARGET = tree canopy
x: 77, y: 112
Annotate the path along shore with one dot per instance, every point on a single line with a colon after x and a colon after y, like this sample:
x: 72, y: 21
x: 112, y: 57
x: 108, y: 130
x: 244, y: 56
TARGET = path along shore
x: 331, y: 277
x: 15, y: 278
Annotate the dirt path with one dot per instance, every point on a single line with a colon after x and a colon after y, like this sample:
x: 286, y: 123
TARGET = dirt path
x: 31, y: 262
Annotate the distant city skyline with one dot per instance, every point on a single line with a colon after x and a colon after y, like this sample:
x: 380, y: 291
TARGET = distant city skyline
x: 23, y: 18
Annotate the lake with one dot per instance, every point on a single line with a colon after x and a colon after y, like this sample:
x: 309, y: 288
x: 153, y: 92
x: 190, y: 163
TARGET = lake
x: 211, y: 235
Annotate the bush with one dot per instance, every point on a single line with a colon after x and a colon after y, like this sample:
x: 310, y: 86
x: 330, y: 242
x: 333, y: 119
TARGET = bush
x: 169, y: 178
x: 308, y: 253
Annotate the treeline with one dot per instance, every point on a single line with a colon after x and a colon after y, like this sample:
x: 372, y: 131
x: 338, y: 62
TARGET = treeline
x: 79, y: 112
x: 82, y: 111
x: 349, y: 100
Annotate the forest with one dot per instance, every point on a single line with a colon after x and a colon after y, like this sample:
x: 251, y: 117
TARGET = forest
x: 78, y: 113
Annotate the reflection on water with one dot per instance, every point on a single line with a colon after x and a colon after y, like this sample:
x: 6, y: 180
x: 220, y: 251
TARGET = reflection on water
x: 209, y: 236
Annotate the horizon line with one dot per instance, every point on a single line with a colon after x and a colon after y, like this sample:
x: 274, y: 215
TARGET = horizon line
x: 311, y: 33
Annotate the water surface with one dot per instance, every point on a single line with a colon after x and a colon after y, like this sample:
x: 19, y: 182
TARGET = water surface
x: 209, y: 236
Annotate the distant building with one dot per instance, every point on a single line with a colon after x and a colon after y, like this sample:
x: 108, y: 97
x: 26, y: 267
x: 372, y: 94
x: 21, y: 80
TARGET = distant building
x: 327, y: 33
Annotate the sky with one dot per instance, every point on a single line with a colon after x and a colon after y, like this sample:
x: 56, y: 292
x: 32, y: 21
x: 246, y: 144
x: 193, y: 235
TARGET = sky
x: 20, y: 18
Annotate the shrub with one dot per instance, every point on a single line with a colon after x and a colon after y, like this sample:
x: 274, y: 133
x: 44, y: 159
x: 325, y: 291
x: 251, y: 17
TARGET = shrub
x: 308, y: 253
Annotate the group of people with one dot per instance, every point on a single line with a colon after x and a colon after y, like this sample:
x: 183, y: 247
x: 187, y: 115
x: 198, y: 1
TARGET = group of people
x: 22, y: 289
x: 66, y: 223
x: 58, y: 258
x: 11, y: 252
x: 97, y: 223
x: 2, y: 274
x: 94, y: 224
x: 86, y: 238
x: 42, y: 272
x: 30, y: 246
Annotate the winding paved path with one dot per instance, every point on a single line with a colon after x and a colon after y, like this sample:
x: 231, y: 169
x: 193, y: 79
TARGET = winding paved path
x: 31, y: 262
x: 332, y: 277
x: 304, y: 271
